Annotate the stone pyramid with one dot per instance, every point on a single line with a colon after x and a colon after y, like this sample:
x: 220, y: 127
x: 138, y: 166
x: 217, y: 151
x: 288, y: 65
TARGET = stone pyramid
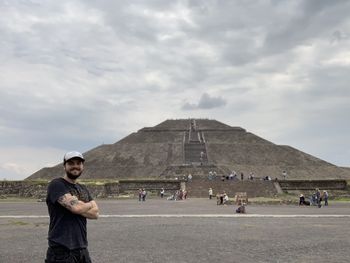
x: 175, y: 148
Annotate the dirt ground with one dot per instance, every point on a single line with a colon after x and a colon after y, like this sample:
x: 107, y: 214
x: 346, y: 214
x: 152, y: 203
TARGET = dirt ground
x: 195, y: 230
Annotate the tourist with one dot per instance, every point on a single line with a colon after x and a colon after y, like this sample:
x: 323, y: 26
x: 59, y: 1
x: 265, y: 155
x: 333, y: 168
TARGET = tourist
x: 176, y: 195
x: 230, y: 176
x: 318, y: 197
x: 69, y: 204
x: 210, y: 192
x: 325, y: 197
x: 242, y: 176
x: 143, y: 194
x: 201, y: 157
x: 284, y: 174
x: 220, y: 199
x: 162, y: 193
x: 225, y: 198
x: 313, y: 199
x: 140, y: 195
x: 184, y: 194
x: 302, y: 200
x: 172, y: 197
x: 241, y: 209
x: 180, y: 195
x: 189, y: 177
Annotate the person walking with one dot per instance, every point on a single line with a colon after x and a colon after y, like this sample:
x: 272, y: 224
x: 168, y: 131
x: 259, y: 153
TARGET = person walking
x: 69, y: 205
x: 318, y: 198
x: 210, y: 192
x: 140, y: 195
x: 162, y: 193
x: 284, y: 175
x: 325, y: 197
x: 144, y: 194
x: 189, y: 178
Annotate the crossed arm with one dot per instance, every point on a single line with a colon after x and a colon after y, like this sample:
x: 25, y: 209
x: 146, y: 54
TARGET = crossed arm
x: 89, y: 210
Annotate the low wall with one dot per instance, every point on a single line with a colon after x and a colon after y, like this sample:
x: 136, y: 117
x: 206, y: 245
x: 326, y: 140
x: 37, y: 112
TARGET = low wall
x: 36, y: 189
x: 132, y: 187
x: 196, y: 188
x: 23, y: 189
x: 313, y: 184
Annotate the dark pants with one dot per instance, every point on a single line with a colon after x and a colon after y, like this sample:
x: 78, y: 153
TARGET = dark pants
x: 64, y: 255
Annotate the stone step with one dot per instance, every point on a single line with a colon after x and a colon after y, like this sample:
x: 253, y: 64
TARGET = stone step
x: 193, y: 152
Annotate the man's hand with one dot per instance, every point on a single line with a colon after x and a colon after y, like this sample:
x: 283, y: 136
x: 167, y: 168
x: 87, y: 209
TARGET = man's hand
x: 92, y: 213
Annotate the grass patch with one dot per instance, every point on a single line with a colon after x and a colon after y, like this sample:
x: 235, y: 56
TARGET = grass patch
x: 265, y: 200
x: 97, y: 182
x: 17, y: 199
x: 18, y: 223
x: 341, y: 199
x: 278, y: 199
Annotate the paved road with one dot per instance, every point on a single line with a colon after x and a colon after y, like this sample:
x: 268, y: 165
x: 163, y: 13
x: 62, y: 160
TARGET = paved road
x: 196, y: 230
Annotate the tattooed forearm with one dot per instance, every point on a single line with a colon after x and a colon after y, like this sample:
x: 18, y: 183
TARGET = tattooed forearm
x: 68, y: 202
x: 74, y: 201
x: 73, y: 204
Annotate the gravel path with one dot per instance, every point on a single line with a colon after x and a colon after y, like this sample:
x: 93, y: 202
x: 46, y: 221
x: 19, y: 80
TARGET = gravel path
x: 270, y: 233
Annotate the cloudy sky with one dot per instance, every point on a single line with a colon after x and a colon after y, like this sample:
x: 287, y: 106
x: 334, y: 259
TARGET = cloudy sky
x: 79, y: 73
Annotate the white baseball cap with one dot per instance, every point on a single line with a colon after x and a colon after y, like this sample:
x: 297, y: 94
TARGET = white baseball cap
x: 71, y: 155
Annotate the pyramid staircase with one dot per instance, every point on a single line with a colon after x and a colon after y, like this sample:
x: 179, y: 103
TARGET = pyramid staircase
x: 195, y: 150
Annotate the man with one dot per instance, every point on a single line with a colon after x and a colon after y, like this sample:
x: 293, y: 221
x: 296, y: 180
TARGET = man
x: 325, y: 197
x: 144, y: 194
x: 284, y: 174
x: 210, y: 192
x: 318, y: 198
x: 225, y: 199
x: 189, y: 177
x: 302, y: 200
x: 241, y: 209
x: 69, y: 204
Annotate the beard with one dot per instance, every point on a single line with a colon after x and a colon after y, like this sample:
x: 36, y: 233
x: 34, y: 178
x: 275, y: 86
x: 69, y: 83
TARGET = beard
x: 73, y: 176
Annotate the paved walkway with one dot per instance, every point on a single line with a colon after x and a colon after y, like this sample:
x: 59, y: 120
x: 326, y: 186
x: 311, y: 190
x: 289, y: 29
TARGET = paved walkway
x: 195, y: 230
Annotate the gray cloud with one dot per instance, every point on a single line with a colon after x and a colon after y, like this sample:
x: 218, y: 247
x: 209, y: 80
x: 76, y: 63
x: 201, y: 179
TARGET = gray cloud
x: 339, y: 36
x: 205, y: 102
x: 75, y: 74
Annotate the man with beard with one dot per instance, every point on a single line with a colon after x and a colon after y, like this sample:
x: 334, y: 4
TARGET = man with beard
x: 69, y: 204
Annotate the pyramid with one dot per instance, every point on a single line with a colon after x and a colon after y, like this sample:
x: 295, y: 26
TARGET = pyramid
x: 175, y: 148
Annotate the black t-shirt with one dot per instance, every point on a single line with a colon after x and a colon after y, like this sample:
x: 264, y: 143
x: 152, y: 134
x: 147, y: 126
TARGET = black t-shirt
x: 66, y: 229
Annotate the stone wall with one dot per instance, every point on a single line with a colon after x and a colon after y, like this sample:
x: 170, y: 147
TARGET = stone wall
x: 151, y: 185
x: 287, y: 185
x: 23, y: 189
x: 35, y: 189
x: 198, y: 187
